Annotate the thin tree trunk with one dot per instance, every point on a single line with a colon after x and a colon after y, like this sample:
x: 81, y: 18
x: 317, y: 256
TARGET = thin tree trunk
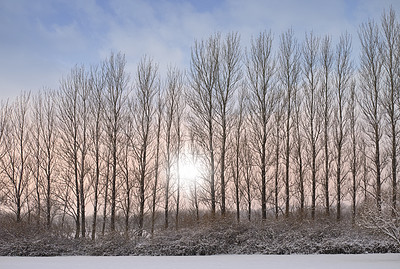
x: 48, y: 200
x: 96, y: 191
x: 287, y: 158
x: 263, y: 176
x: 113, y: 179
x: 212, y: 164
x: 154, y: 195
x: 178, y: 192
x: 276, y: 188
x: 106, y: 195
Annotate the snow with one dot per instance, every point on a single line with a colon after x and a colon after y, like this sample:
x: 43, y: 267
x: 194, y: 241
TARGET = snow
x: 363, y: 261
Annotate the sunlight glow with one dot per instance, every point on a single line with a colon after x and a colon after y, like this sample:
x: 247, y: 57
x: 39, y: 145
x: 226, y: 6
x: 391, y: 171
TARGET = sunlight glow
x: 189, y: 171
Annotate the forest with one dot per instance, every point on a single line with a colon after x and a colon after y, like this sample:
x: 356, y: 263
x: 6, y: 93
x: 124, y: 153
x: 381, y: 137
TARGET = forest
x: 302, y: 131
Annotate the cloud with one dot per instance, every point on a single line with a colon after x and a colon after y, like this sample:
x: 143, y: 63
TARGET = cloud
x: 42, y: 40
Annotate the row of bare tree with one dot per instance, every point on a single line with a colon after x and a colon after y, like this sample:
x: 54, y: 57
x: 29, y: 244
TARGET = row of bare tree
x: 290, y: 130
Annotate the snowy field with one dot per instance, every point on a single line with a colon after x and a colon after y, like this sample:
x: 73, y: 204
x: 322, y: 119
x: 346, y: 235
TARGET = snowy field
x: 362, y: 261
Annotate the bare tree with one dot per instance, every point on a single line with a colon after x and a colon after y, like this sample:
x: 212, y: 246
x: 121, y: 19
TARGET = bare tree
x: 327, y: 63
x: 371, y: 91
x: 239, y: 119
x: 83, y: 136
x: 289, y: 76
x: 97, y: 84
x: 147, y: 86
x: 261, y: 69
x: 354, y: 137
x: 204, y: 69
x: 174, y: 88
x: 229, y: 77
x: 68, y: 130
x: 115, y: 102
x: 278, y: 117
x: 70, y: 123
x: 390, y: 89
x: 48, y: 142
x: 159, y: 123
x: 313, y: 99
x: 342, y: 76
x: 125, y: 165
x: 36, y: 149
x: 299, y: 145
x: 178, y: 124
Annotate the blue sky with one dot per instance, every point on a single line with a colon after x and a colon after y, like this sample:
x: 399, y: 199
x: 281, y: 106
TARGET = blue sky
x: 40, y: 41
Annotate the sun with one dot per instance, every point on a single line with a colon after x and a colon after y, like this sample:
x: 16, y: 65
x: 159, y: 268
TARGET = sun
x: 189, y: 171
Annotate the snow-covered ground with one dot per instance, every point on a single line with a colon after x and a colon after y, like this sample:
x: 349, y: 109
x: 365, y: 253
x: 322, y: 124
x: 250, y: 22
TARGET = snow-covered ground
x: 362, y: 261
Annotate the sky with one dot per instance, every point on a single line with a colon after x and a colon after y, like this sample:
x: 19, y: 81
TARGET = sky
x: 42, y: 40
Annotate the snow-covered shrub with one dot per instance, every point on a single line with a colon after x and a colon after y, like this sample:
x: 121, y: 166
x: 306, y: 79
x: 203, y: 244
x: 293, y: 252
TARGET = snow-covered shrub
x: 286, y: 236
x: 386, y: 221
